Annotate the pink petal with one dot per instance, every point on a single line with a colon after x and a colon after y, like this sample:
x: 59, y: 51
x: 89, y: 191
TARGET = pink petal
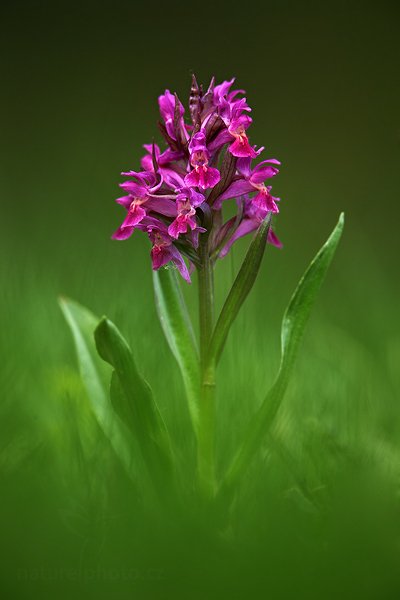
x: 146, y: 162
x: 192, y: 179
x: 135, y: 189
x: 160, y: 256
x: 166, y: 103
x: 273, y: 239
x: 122, y: 233
x: 236, y: 189
x: 135, y: 215
x: 125, y: 201
x: 259, y: 175
x: 177, y: 259
x: 177, y: 227
x: 244, y: 166
x: 266, y: 202
x: 242, y: 148
x: 223, y: 137
x: 163, y: 206
x: 209, y: 177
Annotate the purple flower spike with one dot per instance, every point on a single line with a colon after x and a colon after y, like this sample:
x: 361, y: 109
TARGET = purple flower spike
x: 177, y: 198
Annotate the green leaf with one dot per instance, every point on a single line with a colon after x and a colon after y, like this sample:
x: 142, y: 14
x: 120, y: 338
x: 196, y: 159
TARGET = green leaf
x: 96, y: 375
x: 241, y: 287
x: 178, y: 331
x: 293, y: 325
x: 134, y: 403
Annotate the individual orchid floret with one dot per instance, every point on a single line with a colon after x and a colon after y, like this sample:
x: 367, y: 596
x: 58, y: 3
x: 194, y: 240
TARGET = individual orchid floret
x: 140, y: 201
x: 163, y: 251
x: 241, y: 146
x: 186, y: 219
x: 137, y: 211
x: 195, y: 198
x: 232, y: 111
x: 202, y: 175
x: 252, y: 180
x: 256, y: 177
x: 252, y: 217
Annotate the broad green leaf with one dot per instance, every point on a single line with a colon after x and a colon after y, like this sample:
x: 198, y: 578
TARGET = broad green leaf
x: 293, y: 325
x: 133, y: 401
x: 241, y: 287
x: 96, y: 375
x: 178, y: 331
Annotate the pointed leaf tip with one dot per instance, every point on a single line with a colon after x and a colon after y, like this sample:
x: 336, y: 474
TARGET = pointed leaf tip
x: 95, y: 375
x: 293, y: 325
x: 133, y: 401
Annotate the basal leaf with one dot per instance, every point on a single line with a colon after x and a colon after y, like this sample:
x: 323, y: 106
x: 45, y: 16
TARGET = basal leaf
x: 133, y: 401
x: 178, y: 331
x: 96, y: 375
x: 293, y: 325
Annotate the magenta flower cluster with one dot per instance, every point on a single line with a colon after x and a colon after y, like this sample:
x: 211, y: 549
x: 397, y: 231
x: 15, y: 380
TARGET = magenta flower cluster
x: 178, y: 195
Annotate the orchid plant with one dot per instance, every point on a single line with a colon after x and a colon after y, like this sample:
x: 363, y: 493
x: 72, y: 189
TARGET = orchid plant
x: 178, y: 199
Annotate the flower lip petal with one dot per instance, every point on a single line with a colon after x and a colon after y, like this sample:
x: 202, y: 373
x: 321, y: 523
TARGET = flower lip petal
x: 192, y: 179
x: 210, y: 177
x: 241, y: 148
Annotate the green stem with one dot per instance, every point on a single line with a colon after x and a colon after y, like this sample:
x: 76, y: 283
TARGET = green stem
x: 206, y: 432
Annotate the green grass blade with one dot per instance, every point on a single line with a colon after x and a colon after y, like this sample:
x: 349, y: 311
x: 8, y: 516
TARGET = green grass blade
x: 96, y: 376
x: 241, y: 287
x: 134, y: 403
x: 178, y: 331
x: 293, y: 325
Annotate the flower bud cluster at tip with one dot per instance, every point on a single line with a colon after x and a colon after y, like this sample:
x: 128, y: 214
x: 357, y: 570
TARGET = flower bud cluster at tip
x: 178, y: 194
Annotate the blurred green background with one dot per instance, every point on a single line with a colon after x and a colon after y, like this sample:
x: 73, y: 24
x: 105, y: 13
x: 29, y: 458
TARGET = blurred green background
x: 320, y: 514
